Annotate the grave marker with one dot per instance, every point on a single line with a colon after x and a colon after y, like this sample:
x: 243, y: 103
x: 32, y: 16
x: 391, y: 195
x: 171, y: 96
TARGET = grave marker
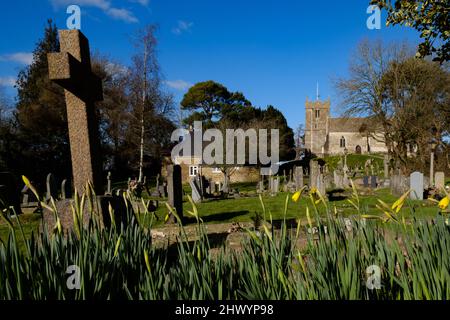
x: 416, y: 183
x: 71, y: 69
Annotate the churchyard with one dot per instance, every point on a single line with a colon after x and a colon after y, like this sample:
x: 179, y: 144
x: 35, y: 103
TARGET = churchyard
x: 351, y: 225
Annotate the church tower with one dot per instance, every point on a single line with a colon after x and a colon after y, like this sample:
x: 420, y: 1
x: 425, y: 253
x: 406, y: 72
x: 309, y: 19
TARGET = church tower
x: 316, y: 128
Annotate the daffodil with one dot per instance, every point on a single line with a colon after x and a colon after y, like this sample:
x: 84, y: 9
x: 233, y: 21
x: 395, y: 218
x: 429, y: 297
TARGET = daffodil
x: 397, y: 206
x: 443, y: 204
x: 313, y: 190
x: 296, y: 196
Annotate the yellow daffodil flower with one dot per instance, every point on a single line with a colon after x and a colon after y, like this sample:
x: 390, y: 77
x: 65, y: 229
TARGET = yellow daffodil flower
x: 443, y: 204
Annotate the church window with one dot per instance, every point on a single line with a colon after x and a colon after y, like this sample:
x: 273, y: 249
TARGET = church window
x: 317, y: 114
x: 342, y: 142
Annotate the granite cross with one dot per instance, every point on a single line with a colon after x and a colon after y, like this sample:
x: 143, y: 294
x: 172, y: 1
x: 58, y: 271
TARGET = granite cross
x: 71, y: 68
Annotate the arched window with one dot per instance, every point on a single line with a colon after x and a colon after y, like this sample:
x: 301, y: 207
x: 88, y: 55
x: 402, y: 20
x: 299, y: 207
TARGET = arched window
x: 342, y: 142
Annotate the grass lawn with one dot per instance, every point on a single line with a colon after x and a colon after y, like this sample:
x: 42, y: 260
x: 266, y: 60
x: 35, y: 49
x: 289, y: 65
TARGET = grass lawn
x: 245, y: 209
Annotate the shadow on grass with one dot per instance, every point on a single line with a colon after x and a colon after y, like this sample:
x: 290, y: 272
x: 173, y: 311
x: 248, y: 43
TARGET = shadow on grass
x: 217, y: 217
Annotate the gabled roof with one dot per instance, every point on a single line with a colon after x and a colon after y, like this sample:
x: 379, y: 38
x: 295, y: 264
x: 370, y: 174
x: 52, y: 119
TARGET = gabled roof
x: 351, y: 124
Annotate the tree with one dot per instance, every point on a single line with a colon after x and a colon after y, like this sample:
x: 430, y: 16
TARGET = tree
x: 430, y: 18
x: 397, y: 93
x: 151, y: 108
x: 419, y: 93
x: 299, y: 141
x: 43, y: 142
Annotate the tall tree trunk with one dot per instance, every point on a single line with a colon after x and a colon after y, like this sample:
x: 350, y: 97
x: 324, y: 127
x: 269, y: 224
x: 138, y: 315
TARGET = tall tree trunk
x: 144, y: 96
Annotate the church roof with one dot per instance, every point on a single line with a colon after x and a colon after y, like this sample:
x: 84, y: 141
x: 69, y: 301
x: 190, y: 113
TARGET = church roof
x: 349, y: 124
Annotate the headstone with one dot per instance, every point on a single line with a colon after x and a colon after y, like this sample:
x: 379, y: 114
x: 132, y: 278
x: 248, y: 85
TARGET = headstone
x: 108, y: 186
x: 9, y: 192
x: 373, y: 182
x: 25, y: 196
x: 366, y: 181
x: 196, y: 193
x: 314, y: 172
x: 320, y: 184
x: 71, y: 68
x: 175, y: 189
x: 416, y: 183
x: 439, y: 180
x: 51, y: 188
x: 386, y: 170
x: 298, y: 177
x: 338, y: 180
x: 399, y: 184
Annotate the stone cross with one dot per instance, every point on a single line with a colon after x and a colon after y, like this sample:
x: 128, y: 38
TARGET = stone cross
x: 71, y: 69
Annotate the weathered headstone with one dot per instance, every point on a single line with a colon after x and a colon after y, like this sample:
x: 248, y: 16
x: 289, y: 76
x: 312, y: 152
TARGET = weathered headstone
x: 71, y: 68
x: 51, y: 188
x: 9, y: 192
x: 298, y: 177
x: 366, y: 181
x: 320, y: 184
x: 386, y: 170
x: 416, y: 183
x: 108, y: 186
x: 314, y: 172
x: 175, y: 189
x: 439, y: 180
x: 196, y: 193
x: 338, y: 180
x: 373, y: 182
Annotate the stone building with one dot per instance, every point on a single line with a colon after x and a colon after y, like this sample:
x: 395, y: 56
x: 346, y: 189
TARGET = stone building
x: 327, y: 136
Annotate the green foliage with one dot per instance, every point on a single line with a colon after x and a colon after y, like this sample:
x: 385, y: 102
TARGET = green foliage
x: 123, y: 263
x: 430, y: 18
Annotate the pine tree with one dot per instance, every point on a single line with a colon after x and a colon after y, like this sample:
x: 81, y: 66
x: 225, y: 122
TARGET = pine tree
x: 41, y: 115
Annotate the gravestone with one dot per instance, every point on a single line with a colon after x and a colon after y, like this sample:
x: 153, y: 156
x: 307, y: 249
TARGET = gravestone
x: 25, y: 196
x: 108, y: 185
x: 399, y: 184
x: 320, y: 184
x: 71, y: 69
x: 51, y: 188
x: 338, y: 180
x: 298, y: 177
x: 196, y: 193
x: 163, y: 190
x: 416, y: 183
x: 439, y: 180
x: 386, y: 170
x: 9, y: 192
x: 314, y: 172
x: 175, y: 190
x: 373, y: 182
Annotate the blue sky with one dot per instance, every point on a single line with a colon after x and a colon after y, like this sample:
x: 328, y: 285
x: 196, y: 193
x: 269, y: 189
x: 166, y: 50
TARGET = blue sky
x: 273, y: 51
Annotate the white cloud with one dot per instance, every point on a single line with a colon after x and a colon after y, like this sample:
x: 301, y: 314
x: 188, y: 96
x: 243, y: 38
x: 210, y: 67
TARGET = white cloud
x: 178, y: 85
x: 182, y: 26
x: 20, y: 57
x: 104, y: 5
x: 7, y: 81
x: 122, y: 14
x: 141, y: 2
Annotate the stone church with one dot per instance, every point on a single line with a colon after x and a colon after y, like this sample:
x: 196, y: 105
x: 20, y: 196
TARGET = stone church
x: 329, y: 136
